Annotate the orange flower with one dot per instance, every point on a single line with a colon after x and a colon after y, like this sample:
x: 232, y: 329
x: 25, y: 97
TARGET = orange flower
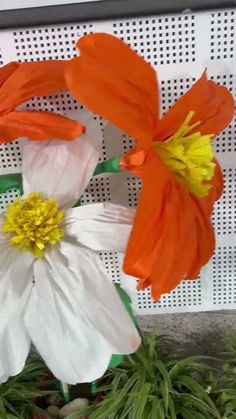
x: 172, y: 236
x: 20, y: 82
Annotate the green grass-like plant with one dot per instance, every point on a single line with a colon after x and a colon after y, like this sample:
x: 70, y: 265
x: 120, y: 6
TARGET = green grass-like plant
x: 151, y: 384
x: 223, y: 385
x: 18, y: 394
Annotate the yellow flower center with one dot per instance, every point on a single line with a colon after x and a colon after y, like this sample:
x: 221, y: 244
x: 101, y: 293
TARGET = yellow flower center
x: 33, y: 223
x: 189, y: 157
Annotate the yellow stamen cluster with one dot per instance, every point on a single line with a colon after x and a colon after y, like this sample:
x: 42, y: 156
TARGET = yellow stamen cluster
x: 189, y: 157
x: 33, y: 223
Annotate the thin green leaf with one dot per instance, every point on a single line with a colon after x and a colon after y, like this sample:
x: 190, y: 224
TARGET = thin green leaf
x: 165, y: 394
x: 2, y: 407
x: 142, y: 400
x: 201, y: 405
x: 188, y: 414
x: 187, y: 365
x: 162, y: 369
x: 171, y: 408
x: 117, y: 381
x: 157, y: 411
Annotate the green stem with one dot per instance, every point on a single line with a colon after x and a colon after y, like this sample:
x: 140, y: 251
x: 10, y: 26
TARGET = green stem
x: 94, y: 388
x: 108, y: 166
x: 65, y: 388
x: 11, y: 181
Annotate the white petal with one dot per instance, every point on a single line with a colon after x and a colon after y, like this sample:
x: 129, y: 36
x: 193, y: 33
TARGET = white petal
x: 102, y: 226
x: 15, y: 286
x: 3, y: 237
x: 62, y: 169
x: 75, y: 317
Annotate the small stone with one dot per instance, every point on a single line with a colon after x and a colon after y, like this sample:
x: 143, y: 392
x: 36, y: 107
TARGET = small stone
x: 55, y: 400
x: 53, y: 411
x: 71, y: 407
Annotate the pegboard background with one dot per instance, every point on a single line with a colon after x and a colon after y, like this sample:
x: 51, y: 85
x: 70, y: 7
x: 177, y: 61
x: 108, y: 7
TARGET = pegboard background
x: 179, y: 47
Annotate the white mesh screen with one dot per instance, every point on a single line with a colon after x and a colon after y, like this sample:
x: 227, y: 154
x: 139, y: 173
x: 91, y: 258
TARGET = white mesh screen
x: 180, y: 47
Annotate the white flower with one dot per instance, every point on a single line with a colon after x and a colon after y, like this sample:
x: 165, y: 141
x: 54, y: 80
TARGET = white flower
x: 64, y: 302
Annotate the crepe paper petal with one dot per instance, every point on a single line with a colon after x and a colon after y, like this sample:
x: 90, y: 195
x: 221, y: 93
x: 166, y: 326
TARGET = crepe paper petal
x: 14, y: 181
x: 38, y: 126
x: 174, y: 257
x: 7, y: 70
x: 202, y: 208
x: 176, y: 250
x: 140, y: 252
x: 20, y: 82
x: 108, y: 166
x: 75, y: 317
x: 117, y: 359
x: 217, y: 187
x: 213, y: 106
x: 32, y: 79
x: 155, y: 258
x: 61, y: 169
x: 113, y: 81
x: 15, y: 287
x: 11, y: 181
x: 100, y: 227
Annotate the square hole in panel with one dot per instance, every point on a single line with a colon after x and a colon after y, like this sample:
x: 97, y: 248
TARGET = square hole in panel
x: 48, y: 42
x: 104, y: 151
x: 127, y: 143
x: 228, y: 80
x: 61, y: 103
x: 224, y: 275
x: 134, y: 187
x: 172, y: 89
x: 160, y: 40
x: 10, y: 155
x: 1, y: 60
x: 7, y: 198
x: 222, y: 35
x: 186, y: 295
x: 224, y: 216
x: 98, y: 190
x: 226, y: 140
x: 111, y: 263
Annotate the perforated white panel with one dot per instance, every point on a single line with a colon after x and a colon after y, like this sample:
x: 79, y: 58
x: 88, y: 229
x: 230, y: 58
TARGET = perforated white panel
x: 180, y: 47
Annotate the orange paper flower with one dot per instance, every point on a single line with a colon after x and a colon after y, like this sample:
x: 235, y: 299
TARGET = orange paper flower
x: 20, y: 82
x: 172, y: 236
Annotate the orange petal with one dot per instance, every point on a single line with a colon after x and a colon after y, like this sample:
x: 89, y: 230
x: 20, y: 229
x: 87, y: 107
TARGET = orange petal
x: 38, y: 126
x: 217, y: 182
x: 213, y: 106
x: 7, y: 70
x: 177, y: 245
x: 192, y: 246
x: 32, y: 79
x: 147, y: 228
x: 172, y: 236
x: 206, y: 242
x: 114, y: 82
x: 203, y: 208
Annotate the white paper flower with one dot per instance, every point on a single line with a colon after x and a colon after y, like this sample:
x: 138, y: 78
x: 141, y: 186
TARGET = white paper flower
x: 64, y: 302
